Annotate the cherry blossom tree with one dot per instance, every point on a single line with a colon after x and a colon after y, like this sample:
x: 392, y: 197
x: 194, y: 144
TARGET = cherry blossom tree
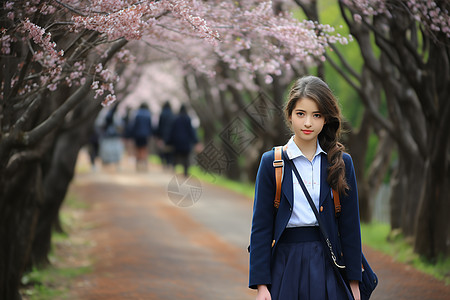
x: 61, y: 58
x: 408, y: 66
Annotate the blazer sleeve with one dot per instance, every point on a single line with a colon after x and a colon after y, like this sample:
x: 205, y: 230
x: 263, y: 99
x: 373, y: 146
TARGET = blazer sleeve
x: 349, y: 224
x: 262, y: 223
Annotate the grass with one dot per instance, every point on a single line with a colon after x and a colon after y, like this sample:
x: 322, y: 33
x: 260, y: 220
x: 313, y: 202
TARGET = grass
x: 245, y: 189
x: 380, y: 237
x: 67, y: 258
x: 51, y: 282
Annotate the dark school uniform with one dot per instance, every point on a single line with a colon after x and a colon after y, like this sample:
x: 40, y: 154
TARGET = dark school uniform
x: 297, y: 266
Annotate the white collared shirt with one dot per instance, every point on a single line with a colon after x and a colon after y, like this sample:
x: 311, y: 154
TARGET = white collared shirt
x: 302, y: 214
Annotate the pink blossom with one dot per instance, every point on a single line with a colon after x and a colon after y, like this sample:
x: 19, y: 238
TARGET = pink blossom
x: 47, y: 9
x: 6, y: 44
x: 9, y: 5
x: 43, y: 40
x: 98, y: 92
x: 110, y: 99
x: 94, y: 85
x: 75, y: 75
x: 98, y: 68
x: 125, y: 55
x: 357, y: 18
x: 52, y: 87
x: 268, y: 79
x: 39, y: 55
x: 125, y: 23
x: 427, y: 13
x: 13, y: 81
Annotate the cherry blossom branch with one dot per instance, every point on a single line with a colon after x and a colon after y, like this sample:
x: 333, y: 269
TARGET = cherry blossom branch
x: 58, y: 24
x: 57, y: 116
x: 70, y: 8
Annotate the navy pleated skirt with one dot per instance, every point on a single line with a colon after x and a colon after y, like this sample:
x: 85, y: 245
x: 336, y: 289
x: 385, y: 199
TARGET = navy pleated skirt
x: 302, y: 271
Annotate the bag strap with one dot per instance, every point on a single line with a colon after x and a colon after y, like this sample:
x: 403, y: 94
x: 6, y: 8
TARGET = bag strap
x: 337, y: 203
x: 278, y: 164
x: 316, y: 213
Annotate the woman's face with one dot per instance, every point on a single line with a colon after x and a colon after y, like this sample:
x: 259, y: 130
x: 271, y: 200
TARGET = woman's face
x: 307, y: 121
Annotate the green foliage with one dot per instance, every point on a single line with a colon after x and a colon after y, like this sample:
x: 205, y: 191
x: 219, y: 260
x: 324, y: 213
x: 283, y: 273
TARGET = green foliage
x: 72, y: 202
x: 298, y: 14
x: 352, y: 108
x: 43, y: 281
x: 246, y: 189
x: 380, y: 237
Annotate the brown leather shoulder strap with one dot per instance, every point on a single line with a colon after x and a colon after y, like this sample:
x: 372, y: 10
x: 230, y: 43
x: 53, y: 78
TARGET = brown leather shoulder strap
x: 337, y: 203
x: 278, y: 164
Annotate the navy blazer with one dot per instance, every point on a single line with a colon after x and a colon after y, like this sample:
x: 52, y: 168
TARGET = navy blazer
x: 268, y: 226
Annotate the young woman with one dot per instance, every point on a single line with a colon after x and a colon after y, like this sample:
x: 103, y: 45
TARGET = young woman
x: 288, y: 258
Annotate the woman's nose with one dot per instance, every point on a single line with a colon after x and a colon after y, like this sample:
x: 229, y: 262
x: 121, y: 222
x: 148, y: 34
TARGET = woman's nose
x: 307, y: 122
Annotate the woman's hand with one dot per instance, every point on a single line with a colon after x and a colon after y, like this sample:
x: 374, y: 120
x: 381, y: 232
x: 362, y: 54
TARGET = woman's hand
x: 263, y: 293
x: 354, y: 286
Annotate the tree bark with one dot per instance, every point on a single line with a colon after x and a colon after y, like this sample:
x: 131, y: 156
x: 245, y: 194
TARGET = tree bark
x: 60, y: 172
x: 18, y: 213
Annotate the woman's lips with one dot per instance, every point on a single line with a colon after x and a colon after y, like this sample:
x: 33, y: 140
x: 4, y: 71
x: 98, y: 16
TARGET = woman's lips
x: 307, y: 131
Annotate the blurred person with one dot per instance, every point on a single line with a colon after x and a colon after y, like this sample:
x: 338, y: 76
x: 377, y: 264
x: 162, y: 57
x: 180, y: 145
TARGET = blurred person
x: 110, y: 143
x: 127, y: 132
x: 182, y: 138
x: 142, y: 132
x: 93, y: 147
x: 165, y: 123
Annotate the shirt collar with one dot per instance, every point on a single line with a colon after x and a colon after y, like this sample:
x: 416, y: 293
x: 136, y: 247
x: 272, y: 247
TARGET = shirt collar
x: 293, y: 151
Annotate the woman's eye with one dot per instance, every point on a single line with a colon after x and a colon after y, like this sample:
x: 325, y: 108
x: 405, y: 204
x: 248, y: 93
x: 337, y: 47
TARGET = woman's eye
x: 317, y: 115
x: 300, y: 114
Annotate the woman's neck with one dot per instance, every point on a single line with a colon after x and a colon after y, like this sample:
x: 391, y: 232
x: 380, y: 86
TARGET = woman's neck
x: 308, y: 148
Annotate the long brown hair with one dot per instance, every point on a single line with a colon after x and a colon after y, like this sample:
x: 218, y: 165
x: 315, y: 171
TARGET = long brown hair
x: 316, y: 89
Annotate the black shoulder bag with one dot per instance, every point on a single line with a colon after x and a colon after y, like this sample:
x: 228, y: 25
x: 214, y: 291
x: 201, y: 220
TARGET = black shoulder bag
x: 369, y: 278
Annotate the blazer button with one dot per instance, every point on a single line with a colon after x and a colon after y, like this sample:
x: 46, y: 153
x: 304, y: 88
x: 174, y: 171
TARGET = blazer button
x: 273, y: 243
x: 321, y: 209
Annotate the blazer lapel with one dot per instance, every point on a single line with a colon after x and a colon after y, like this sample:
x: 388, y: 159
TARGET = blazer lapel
x: 324, y: 186
x: 287, y: 186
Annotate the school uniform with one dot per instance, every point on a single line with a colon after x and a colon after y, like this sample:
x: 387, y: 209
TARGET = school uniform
x: 287, y: 252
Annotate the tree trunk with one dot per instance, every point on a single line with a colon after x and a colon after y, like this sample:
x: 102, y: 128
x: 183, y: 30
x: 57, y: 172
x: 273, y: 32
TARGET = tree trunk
x: 57, y: 179
x: 432, y: 227
x: 406, y: 188
x: 357, y: 143
x: 18, y: 214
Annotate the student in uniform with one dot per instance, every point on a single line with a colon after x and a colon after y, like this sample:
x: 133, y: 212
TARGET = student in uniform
x: 288, y: 257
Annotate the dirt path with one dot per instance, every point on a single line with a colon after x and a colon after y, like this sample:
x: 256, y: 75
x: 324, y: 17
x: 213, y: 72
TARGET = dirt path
x: 146, y: 247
